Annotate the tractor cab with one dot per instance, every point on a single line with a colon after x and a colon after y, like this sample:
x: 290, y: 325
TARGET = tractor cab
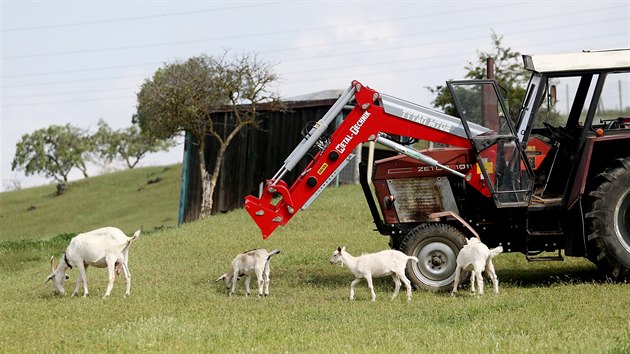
x: 574, y: 120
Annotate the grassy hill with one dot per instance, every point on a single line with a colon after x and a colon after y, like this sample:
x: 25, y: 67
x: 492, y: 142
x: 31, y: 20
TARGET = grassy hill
x: 124, y: 199
x: 177, y: 307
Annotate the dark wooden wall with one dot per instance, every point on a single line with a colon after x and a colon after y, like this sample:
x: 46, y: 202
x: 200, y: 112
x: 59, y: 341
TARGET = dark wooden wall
x: 254, y: 155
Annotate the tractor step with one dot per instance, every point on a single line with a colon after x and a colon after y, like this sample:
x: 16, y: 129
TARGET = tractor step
x: 545, y: 233
x: 534, y: 258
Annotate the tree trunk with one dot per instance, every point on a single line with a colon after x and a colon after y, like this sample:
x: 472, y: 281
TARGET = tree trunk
x: 61, y: 188
x: 209, y: 182
x: 83, y: 169
x: 206, y: 190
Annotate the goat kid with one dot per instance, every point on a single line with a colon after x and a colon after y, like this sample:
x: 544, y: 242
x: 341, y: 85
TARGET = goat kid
x: 388, y: 262
x: 104, y: 247
x: 476, y: 257
x: 254, y: 261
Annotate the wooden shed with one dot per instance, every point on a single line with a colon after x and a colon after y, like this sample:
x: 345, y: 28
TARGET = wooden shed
x: 255, y: 154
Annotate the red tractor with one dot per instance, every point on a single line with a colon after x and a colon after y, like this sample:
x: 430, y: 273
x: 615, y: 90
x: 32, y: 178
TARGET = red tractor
x: 539, y: 183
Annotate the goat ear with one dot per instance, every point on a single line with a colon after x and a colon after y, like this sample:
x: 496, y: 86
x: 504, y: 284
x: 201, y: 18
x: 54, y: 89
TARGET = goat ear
x: 342, y: 249
x: 222, y: 277
x: 339, y: 249
x: 52, y: 263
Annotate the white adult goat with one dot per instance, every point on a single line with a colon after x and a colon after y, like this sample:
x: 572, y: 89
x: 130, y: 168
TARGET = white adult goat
x: 388, y: 262
x: 104, y: 247
x: 254, y: 261
x: 477, y: 257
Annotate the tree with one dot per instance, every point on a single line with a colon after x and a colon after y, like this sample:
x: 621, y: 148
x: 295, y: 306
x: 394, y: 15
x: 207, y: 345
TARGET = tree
x: 129, y: 144
x: 53, y: 152
x: 508, y: 72
x: 186, y: 97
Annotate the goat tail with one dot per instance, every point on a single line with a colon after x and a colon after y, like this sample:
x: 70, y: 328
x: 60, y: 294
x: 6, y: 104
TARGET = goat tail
x: 495, y: 251
x: 415, y: 259
x: 273, y: 253
x: 135, y: 236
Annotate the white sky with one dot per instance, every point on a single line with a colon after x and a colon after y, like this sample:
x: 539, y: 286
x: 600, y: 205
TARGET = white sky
x: 79, y: 61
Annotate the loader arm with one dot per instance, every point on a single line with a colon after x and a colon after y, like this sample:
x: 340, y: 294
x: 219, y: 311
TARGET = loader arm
x: 372, y: 115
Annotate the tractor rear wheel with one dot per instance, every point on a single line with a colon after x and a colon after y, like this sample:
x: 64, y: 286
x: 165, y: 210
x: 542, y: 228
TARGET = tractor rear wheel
x: 608, y: 220
x: 436, y: 246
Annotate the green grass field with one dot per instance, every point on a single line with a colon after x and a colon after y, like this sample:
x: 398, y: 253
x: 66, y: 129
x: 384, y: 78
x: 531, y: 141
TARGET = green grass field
x: 176, y: 305
x: 124, y: 198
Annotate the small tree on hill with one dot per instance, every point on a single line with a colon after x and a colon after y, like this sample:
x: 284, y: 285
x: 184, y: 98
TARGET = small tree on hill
x: 185, y: 96
x: 53, y: 152
x: 129, y: 144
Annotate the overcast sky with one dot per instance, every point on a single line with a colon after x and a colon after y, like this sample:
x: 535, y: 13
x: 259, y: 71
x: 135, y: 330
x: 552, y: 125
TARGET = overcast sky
x: 80, y: 61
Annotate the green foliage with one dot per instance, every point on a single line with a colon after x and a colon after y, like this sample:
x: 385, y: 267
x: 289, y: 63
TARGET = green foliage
x: 508, y: 71
x: 53, y: 152
x: 179, y: 97
x: 177, y: 307
x: 183, y: 96
x: 129, y: 144
x: 146, y: 198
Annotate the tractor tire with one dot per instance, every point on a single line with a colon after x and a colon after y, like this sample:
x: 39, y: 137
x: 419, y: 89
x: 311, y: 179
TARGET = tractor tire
x: 608, y: 221
x: 436, y: 245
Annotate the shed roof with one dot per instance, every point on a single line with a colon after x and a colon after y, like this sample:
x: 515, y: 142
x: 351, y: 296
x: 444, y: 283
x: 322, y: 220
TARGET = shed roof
x: 315, y: 99
x: 316, y: 96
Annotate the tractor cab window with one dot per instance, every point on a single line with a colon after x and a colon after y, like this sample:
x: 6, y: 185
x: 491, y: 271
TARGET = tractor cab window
x: 561, y: 102
x: 562, y: 114
x: 613, y: 107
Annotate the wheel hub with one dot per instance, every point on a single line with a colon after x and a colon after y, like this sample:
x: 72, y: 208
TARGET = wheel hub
x: 436, y: 260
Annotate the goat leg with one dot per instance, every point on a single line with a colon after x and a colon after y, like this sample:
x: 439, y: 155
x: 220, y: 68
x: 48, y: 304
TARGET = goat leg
x: 111, y: 273
x: 396, y: 285
x: 480, y: 282
x: 407, y: 285
x: 83, y: 276
x: 127, y: 273
x: 354, y: 282
x: 456, y: 282
x: 368, y: 278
